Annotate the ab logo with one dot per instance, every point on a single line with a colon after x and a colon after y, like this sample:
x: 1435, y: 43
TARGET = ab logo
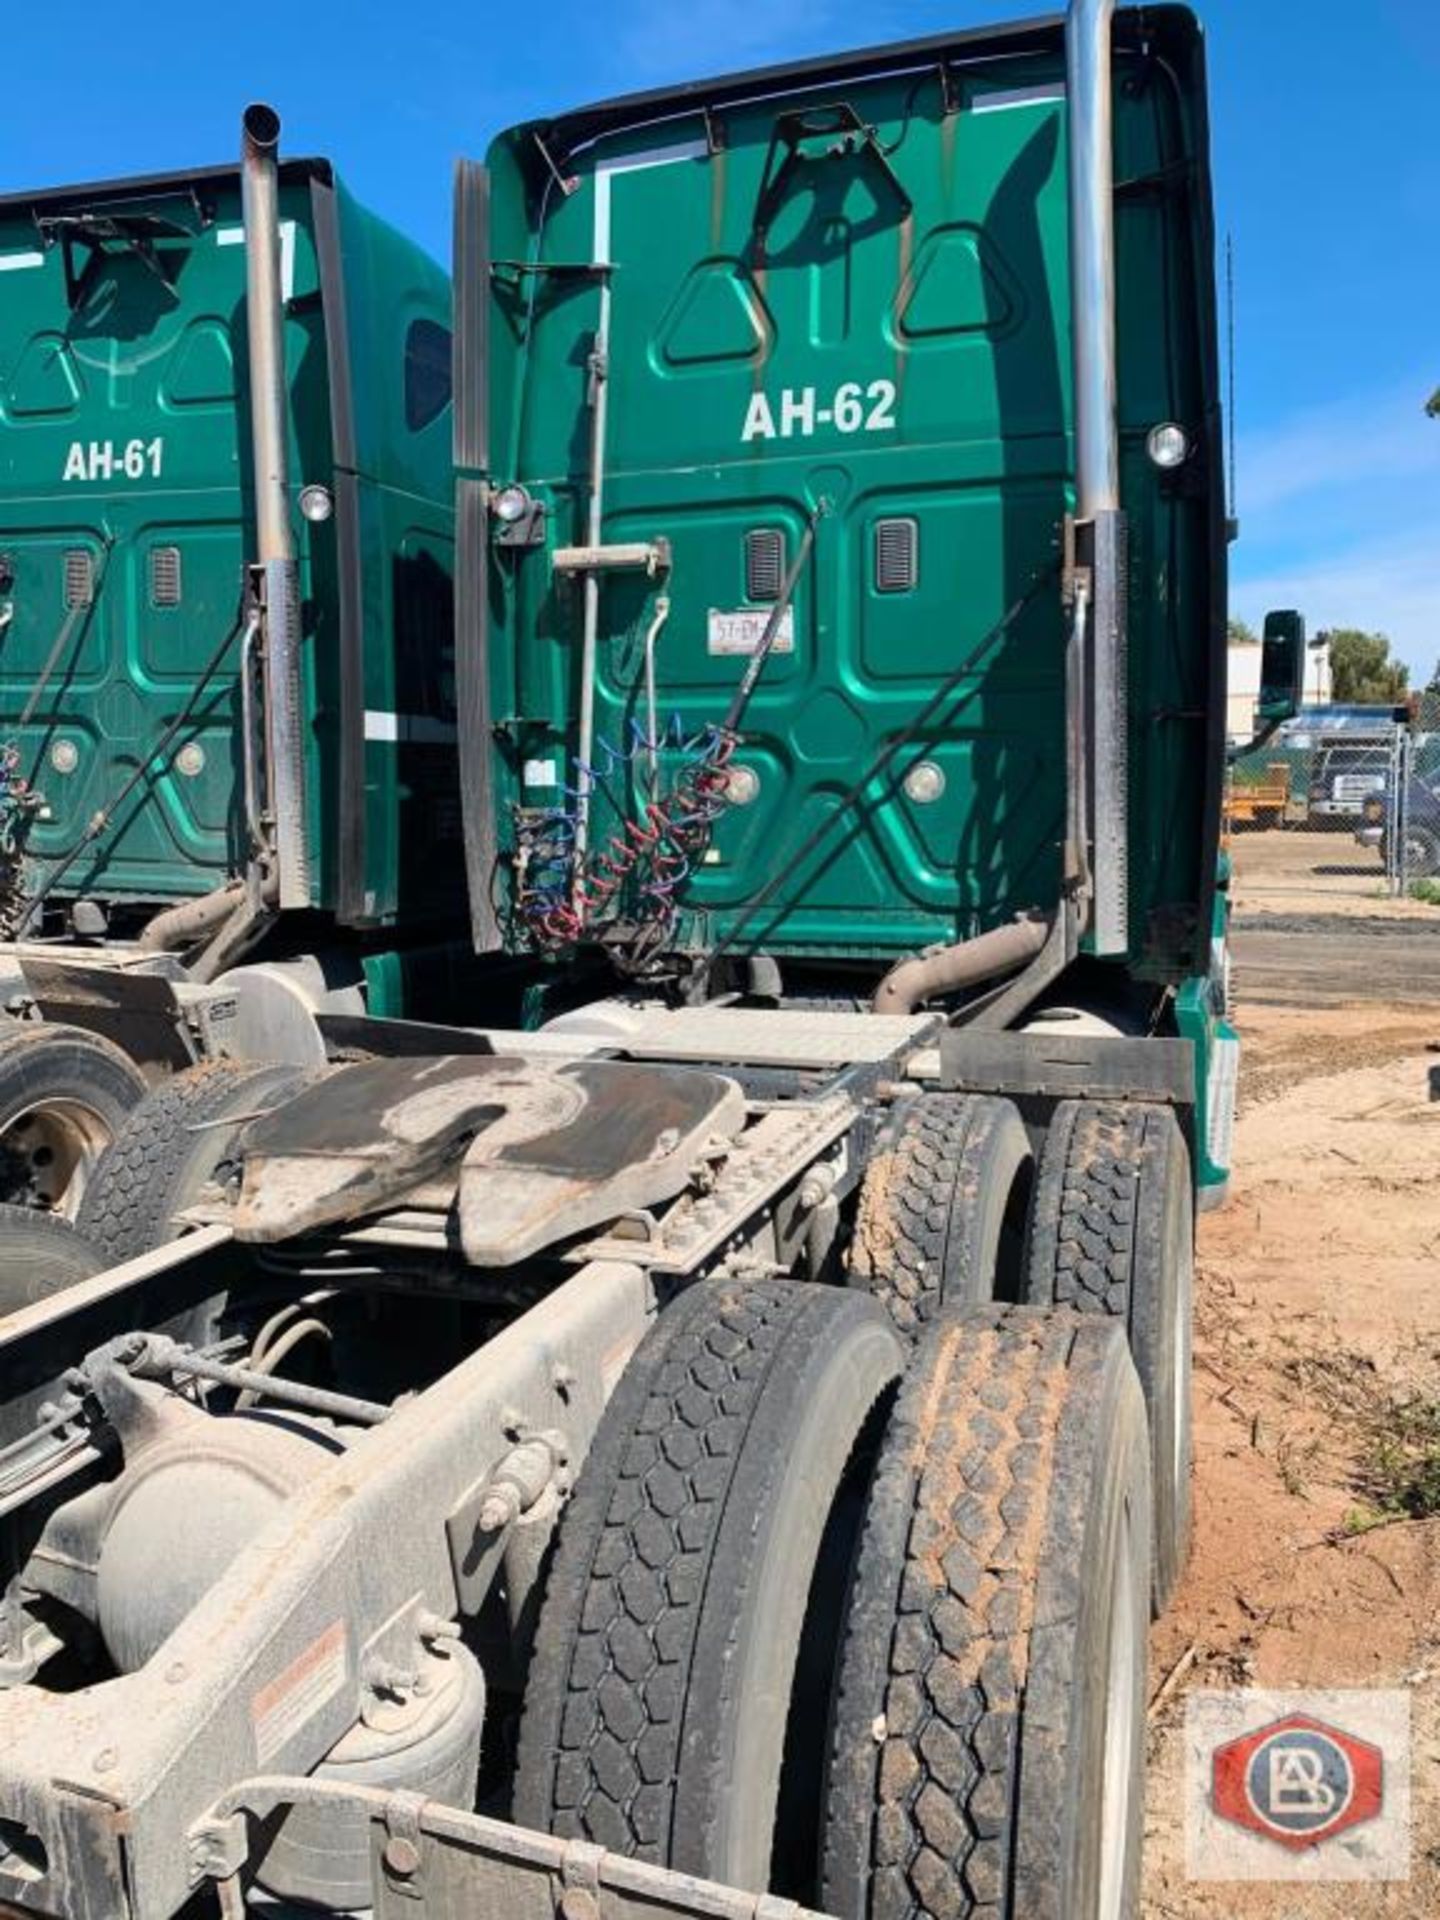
x: 1298, y: 1781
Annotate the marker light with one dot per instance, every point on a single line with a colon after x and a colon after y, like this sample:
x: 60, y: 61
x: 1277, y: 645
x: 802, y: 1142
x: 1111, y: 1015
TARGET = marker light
x: 316, y: 504
x: 510, y: 505
x: 924, y: 783
x: 1168, y: 446
x: 743, y: 786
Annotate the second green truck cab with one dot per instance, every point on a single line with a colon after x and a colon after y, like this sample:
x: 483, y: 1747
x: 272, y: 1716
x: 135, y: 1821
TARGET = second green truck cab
x: 227, y: 669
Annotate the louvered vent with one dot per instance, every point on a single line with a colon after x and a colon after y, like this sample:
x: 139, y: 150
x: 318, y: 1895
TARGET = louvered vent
x: 897, y: 555
x: 164, y: 576
x: 764, y: 563
x: 79, y: 577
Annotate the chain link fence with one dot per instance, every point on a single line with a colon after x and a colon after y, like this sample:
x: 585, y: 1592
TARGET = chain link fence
x: 1343, y: 804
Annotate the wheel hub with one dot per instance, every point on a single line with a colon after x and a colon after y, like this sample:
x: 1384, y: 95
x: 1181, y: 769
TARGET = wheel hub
x: 48, y: 1152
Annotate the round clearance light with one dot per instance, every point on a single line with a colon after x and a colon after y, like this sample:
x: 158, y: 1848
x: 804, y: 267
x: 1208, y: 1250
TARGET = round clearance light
x: 191, y: 759
x: 924, y: 783
x: 64, y: 756
x: 316, y: 504
x: 744, y: 786
x: 510, y: 505
x: 1168, y: 446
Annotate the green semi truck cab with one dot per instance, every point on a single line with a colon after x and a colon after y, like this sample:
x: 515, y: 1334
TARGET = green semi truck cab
x: 816, y: 613
x: 229, y: 797
x: 126, y: 527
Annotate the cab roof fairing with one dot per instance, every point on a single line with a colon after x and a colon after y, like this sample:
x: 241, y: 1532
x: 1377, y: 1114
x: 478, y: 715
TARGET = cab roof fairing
x: 562, y: 137
x: 101, y: 191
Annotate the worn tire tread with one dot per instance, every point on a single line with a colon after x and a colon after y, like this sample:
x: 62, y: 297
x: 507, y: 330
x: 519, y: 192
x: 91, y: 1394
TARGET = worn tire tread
x: 1082, y: 1244
x: 1096, y: 1236
x: 915, y: 1202
x: 127, y: 1207
x: 609, y: 1747
x: 40, y: 1255
x: 972, y: 1527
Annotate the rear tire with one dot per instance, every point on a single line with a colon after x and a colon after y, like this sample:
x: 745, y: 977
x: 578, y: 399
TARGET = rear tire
x: 989, y: 1724
x: 669, y: 1640
x: 64, y: 1095
x: 40, y: 1255
x: 942, y: 1207
x: 178, y: 1140
x: 1112, y: 1232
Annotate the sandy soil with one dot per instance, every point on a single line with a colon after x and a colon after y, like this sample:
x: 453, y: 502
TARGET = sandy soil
x: 1318, y: 1303
x: 1300, y: 870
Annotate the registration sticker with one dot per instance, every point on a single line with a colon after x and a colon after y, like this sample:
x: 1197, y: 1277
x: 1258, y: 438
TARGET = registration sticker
x: 743, y: 630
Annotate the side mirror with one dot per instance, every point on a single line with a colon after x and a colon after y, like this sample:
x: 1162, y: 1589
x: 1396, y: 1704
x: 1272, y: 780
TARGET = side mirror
x: 1282, y: 668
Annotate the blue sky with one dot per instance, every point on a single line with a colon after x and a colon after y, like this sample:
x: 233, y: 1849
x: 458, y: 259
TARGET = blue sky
x: 1327, y: 170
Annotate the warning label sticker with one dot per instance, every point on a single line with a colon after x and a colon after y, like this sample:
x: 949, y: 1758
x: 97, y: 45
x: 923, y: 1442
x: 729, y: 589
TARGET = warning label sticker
x: 312, y: 1679
x: 744, y: 629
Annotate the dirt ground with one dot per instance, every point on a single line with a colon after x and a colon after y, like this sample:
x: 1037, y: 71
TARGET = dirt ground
x: 1313, y: 924
x: 1336, y: 960
x: 1294, y: 870
x: 1318, y: 1309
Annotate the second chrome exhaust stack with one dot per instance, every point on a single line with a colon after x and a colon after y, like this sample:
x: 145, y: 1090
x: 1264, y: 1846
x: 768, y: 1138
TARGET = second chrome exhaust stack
x: 1098, y: 731
x: 1092, y: 254
x: 274, y: 576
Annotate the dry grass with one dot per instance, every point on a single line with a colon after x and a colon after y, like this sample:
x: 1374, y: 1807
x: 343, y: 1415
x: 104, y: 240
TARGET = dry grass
x: 1400, y: 1469
x: 1392, y: 1439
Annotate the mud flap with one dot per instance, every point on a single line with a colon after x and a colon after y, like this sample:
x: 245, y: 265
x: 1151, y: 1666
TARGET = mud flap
x: 139, y: 1012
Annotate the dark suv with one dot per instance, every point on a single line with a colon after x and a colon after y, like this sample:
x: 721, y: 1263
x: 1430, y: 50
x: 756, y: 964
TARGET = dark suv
x: 1421, y: 828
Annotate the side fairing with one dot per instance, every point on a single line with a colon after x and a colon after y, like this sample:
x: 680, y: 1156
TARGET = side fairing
x: 398, y: 824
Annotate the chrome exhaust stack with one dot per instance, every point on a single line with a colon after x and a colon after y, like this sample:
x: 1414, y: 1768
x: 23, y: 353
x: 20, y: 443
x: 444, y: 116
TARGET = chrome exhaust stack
x: 1092, y: 254
x: 1098, y: 769
x: 274, y: 578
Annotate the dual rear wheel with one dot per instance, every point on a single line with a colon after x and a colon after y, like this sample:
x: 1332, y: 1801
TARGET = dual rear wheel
x: 155, y: 1154
x: 1112, y: 1235
x: 851, y: 1602
x: 64, y: 1096
x: 954, y: 1211
x: 861, y: 1627
x: 181, y: 1140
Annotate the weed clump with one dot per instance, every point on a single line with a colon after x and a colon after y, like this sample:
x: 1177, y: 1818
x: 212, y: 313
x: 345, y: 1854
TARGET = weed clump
x: 1399, y: 1467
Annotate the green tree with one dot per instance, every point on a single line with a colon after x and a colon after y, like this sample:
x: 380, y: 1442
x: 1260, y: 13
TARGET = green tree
x: 1432, y: 405
x: 1241, y: 633
x: 1361, y: 670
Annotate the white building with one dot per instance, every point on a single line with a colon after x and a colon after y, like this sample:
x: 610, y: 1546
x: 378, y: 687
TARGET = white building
x: 1242, y: 685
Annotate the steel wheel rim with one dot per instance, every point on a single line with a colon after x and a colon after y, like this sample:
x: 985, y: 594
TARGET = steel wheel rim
x: 53, y: 1145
